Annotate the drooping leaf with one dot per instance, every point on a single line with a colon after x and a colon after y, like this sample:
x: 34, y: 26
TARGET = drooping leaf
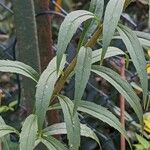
x: 137, y: 55
x: 82, y: 73
x: 53, y: 144
x: 5, y: 129
x: 18, y: 67
x: 28, y: 133
x: 67, y: 29
x: 112, y: 51
x: 97, y: 7
x: 112, y: 15
x: 144, y: 38
x: 45, y: 89
x: 102, y: 114
x: 72, y: 122
x: 60, y: 128
x: 122, y: 86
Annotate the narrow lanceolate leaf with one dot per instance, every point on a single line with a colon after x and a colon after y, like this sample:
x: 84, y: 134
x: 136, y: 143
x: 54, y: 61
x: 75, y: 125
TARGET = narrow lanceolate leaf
x: 72, y: 122
x: 112, y: 15
x: 28, y: 133
x: 60, y: 128
x: 18, y: 67
x: 143, y: 37
x: 122, y: 86
x: 45, y: 89
x: 82, y: 73
x: 137, y: 55
x: 67, y: 29
x: 102, y: 114
x: 112, y: 51
x: 53, y: 144
x: 5, y: 129
x: 96, y: 6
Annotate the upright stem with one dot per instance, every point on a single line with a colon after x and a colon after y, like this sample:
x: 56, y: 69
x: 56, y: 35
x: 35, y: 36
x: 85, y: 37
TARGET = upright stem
x: 122, y: 107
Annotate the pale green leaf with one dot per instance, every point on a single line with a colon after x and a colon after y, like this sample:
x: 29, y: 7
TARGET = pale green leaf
x: 60, y: 128
x: 112, y: 15
x: 67, y: 29
x: 122, y: 86
x: 111, y: 51
x: 5, y: 129
x: 72, y: 122
x: 82, y: 73
x: 53, y: 144
x: 137, y: 55
x: 28, y: 133
x: 18, y: 67
x: 102, y: 114
x: 45, y: 89
x: 97, y: 7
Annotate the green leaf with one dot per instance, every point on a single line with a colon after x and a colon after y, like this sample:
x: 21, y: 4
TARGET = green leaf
x: 143, y: 142
x: 82, y: 73
x: 102, y: 114
x: 60, y: 128
x: 144, y: 38
x: 52, y: 144
x: 18, y: 67
x: 67, y: 29
x: 112, y: 51
x: 45, y: 89
x: 2, y: 122
x: 112, y: 15
x: 137, y: 55
x: 72, y: 122
x: 28, y: 133
x: 97, y: 7
x: 5, y: 129
x: 122, y: 86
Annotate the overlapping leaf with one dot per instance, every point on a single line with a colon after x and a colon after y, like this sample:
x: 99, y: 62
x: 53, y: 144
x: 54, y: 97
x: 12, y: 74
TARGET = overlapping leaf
x: 52, y: 144
x: 137, y: 55
x: 69, y: 26
x: 60, y: 128
x: 112, y: 15
x: 18, y: 67
x: 112, y: 51
x: 45, y: 89
x: 82, y: 73
x: 102, y: 114
x: 122, y: 86
x: 72, y: 122
x: 28, y: 133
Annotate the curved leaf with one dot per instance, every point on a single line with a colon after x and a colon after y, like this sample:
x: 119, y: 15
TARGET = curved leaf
x: 67, y: 29
x: 111, y: 51
x: 122, y: 86
x: 60, y: 128
x: 102, y: 114
x: 72, y: 122
x: 18, y: 67
x: 82, y: 73
x: 52, y: 144
x: 112, y: 15
x: 5, y: 129
x: 97, y: 7
x: 28, y: 133
x: 45, y: 89
x: 137, y: 55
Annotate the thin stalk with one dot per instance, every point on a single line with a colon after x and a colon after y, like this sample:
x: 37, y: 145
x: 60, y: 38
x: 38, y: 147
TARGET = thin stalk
x: 122, y: 107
